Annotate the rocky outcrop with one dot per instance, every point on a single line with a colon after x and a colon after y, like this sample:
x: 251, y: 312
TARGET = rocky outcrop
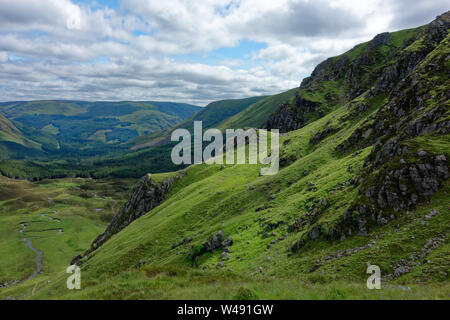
x: 217, y: 241
x: 396, y: 190
x: 322, y: 134
x: 375, y: 68
x: 329, y: 70
x: 407, y: 60
x: 408, y: 112
x: 290, y: 117
x: 146, y: 195
x: 354, y: 77
x: 399, y: 173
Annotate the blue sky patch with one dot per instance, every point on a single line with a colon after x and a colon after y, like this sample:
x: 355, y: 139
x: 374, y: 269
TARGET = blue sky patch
x: 99, y: 3
x: 242, y: 51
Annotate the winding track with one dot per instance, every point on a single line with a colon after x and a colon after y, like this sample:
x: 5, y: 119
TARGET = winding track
x: 38, y: 258
x: 39, y: 253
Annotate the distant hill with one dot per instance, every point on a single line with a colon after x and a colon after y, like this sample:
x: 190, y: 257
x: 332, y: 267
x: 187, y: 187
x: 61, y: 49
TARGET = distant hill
x: 8, y: 132
x: 225, y: 114
x: 146, y: 153
x: 257, y: 113
x: 212, y: 115
x: 79, y: 128
x: 13, y: 143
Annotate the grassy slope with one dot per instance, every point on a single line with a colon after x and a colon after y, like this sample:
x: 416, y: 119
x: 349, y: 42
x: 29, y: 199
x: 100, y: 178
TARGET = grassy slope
x: 211, y: 115
x: 10, y: 133
x: 256, y: 114
x: 13, y: 141
x: 332, y: 91
x: 236, y: 200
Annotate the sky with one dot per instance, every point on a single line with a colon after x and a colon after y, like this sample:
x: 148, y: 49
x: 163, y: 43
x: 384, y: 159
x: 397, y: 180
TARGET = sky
x: 192, y: 51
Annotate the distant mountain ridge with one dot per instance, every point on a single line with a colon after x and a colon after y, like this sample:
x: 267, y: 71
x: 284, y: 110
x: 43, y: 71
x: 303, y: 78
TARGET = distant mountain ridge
x: 211, y: 115
x: 224, y: 114
x: 90, y: 128
x: 127, y: 160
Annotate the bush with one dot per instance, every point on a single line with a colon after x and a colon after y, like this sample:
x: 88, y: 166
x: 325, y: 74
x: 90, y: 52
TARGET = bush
x: 245, y: 294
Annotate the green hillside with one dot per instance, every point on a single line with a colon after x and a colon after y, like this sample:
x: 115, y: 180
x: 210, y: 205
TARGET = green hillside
x: 13, y: 142
x: 255, y: 115
x: 68, y: 129
x: 363, y: 181
x: 64, y: 159
x: 370, y: 66
x: 212, y: 115
x: 8, y: 132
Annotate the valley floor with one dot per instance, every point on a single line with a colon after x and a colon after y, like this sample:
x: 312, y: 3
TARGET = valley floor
x: 44, y: 224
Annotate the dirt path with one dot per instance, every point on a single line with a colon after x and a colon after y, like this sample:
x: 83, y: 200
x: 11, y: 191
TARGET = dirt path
x: 29, y: 243
x: 38, y: 258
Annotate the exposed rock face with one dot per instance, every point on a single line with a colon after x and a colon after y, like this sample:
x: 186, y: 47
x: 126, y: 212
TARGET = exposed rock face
x: 289, y: 118
x: 389, y: 181
x: 294, y: 115
x: 408, y: 60
x: 359, y: 75
x: 325, y: 132
x: 145, y: 196
x: 397, y: 189
x: 382, y: 38
x: 398, y: 174
x: 330, y: 69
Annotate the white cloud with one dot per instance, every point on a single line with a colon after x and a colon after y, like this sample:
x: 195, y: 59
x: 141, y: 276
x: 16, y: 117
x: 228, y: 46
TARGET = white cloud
x: 3, y: 56
x: 60, y: 49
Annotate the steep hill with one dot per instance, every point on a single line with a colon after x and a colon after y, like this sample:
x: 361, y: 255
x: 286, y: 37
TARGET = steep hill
x: 13, y: 143
x: 212, y: 115
x: 369, y: 66
x: 226, y: 114
x: 363, y: 180
x: 255, y: 115
x: 8, y: 132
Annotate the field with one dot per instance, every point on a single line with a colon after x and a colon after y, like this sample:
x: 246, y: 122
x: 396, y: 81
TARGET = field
x: 61, y: 217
